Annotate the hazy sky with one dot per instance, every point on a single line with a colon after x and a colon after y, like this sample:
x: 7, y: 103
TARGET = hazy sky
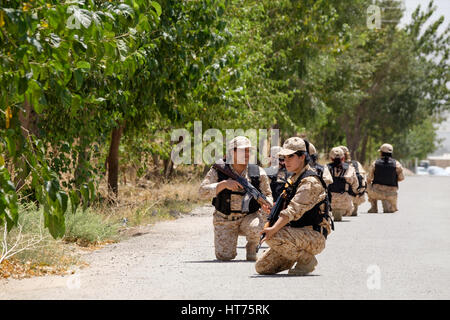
x: 443, y: 8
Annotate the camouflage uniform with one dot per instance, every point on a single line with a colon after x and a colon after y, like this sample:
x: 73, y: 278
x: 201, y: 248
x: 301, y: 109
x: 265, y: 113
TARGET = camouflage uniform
x: 327, y: 175
x: 359, y: 199
x: 289, y: 244
x: 341, y: 203
x: 297, y: 244
x: 387, y: 194
x: 226, y: 231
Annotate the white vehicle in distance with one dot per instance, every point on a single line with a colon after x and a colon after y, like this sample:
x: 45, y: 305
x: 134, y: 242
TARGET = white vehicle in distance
x: 437, y: 171
x: 421, y: 171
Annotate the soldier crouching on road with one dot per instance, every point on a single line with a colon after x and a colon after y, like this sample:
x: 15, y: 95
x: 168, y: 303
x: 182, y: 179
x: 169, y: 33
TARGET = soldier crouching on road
x: 303, y: 225
x: 359, y: 197
x: 383, y: 178
x: 228, y: 219
x: 344, y: 179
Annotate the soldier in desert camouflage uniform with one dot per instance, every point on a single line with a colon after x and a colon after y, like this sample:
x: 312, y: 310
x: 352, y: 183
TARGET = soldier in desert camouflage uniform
x: 344, y: 179
x: 302, y: 227
x: 357, y: 198
x: 228, y: 219
x: 383, y: 178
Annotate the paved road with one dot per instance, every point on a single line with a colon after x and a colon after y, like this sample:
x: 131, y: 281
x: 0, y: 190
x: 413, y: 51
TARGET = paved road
x: 405, y: 255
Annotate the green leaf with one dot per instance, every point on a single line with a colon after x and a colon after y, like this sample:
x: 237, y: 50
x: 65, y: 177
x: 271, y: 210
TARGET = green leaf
x: 49, y: 187
x: 74, y: 200
x: 11, y: 145
x: 83, y: 65
x: 85, y: 194
x: 78, y: 77
x: 157, y: 7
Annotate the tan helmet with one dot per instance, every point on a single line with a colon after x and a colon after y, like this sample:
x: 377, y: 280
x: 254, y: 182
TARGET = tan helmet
x: 292, y: 145
x: 312, y: 150
x: 239, y: 142
x: 346, y: 153
x: 336, y: 152
x: 387, y: 148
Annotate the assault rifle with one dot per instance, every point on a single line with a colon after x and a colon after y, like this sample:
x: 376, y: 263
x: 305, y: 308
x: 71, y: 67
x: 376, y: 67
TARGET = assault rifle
x: 250, y: 190
x: 275, y: 211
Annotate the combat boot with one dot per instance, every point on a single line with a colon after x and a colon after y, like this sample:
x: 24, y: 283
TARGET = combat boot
x: 302, y: 269
x: 373, y: 206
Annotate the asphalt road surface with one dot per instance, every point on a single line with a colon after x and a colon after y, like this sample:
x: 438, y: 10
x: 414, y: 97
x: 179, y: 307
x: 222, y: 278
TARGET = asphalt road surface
x: 405, y: 255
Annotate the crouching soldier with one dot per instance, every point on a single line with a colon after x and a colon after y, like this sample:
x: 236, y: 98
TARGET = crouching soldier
x: 383, y: 178
x: 344, y: 179
x: 359, y: 197
x: 229, y: 218
x: 303, y: 225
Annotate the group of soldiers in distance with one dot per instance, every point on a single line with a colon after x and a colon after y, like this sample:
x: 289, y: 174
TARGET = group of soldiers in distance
x: 313, y: 195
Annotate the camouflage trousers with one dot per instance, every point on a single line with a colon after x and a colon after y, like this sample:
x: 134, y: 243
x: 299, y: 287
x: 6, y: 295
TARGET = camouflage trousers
x: 387, y: 195
x: 357, y: 201
x: 226, y: 234
x: 287, y: 246
x: 341, y: 204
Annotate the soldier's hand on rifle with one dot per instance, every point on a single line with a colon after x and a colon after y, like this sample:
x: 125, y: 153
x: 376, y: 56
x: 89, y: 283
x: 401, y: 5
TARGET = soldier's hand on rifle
x: 232, y: 185
x: 266, y: 207
x: 269, y: 232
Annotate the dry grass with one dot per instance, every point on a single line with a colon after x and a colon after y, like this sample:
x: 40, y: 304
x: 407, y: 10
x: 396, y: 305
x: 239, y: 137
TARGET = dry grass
x: 152, y: 202
x: 145, y: 203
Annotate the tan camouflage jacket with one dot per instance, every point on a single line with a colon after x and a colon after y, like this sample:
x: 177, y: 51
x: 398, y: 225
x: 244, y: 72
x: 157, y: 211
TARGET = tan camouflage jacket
x: 309, y: 192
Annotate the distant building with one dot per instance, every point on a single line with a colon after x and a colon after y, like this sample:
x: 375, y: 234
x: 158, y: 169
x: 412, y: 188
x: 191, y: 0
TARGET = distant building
x: 440, y: 161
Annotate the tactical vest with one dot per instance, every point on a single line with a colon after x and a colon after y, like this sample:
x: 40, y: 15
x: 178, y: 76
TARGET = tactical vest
x: 339, y: 182
x: 361, y: 185
x: 314, y: 216
x: 277, y: 186
x: 222, y: 201
x: 385, y: 173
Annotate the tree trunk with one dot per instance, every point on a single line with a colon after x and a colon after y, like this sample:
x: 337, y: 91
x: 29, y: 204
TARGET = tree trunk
x: 168, y: 168
x: 362, y: 155
x: 113, y: 161
x: 28, y: 120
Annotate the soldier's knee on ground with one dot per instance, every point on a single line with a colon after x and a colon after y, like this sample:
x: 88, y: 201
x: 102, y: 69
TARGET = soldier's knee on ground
x: 270, y: 262
x: 337, y: 214
x: 225, y: 256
